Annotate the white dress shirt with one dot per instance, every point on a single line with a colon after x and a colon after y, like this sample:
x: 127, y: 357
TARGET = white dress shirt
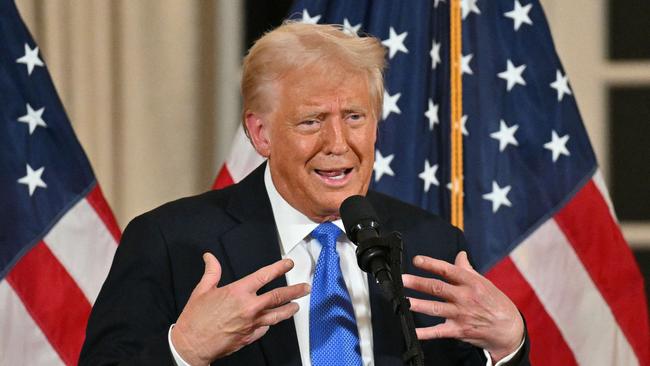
x: 296, y: 243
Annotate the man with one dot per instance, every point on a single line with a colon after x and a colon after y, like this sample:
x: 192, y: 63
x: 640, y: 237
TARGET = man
x: 312, y: 97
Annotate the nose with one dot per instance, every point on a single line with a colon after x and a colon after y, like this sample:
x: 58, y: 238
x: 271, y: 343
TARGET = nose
x: 335, y: 137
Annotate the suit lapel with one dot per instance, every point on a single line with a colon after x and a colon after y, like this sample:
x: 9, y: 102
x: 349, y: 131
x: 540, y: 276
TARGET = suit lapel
x: 387, y: 338
x: 253, y: 244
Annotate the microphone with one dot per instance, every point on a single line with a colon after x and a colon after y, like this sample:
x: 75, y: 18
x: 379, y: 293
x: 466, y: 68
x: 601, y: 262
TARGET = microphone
x: 375, y: 254
x: 362, y: 227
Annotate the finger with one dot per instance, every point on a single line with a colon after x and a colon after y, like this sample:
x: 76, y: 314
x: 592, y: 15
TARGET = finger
x: 211, y: 274
x: 444, y: 269
x: 430, y: 286
x: 258, y: 333
x: 282, y: 295
x: 462, y: 261
x: 274, y: 316
x: 264, y: 275
x: 444, y: 330
x: 434, y: 308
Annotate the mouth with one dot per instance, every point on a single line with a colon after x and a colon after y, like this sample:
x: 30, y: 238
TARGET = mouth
x: 335, y: 177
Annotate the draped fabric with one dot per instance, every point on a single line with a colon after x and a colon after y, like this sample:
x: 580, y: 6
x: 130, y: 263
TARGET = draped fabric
x: 151, y: 88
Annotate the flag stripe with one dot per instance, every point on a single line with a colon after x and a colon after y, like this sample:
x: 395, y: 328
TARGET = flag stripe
x: 21, y: 340
x: 96, y: 199
x: 602, y: 187
x: 603, y: 249
x: 53, y: 300
x: 88, y: 256
x: 549, y: 264
x: 243, y: 158
x: 544, y: 334
x: 223, y: 179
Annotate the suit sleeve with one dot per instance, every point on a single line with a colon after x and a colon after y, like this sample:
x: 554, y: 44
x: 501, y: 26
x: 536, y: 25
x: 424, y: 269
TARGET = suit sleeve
x: 135, y: 308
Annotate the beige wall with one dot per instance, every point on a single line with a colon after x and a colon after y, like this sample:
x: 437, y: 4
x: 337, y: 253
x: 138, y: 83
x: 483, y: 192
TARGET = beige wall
x: 150, y: 86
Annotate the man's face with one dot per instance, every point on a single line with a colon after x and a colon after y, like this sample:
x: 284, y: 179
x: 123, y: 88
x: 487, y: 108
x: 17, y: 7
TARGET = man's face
x: 319, y: 139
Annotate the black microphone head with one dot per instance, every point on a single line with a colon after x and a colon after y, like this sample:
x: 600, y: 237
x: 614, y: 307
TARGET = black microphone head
x: 357, y: 213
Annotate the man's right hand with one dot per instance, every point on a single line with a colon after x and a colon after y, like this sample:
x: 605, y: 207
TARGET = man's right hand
x: 217, y: 321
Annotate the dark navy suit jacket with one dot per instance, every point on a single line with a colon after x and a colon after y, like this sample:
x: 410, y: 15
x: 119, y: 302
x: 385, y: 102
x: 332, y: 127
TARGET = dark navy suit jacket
x: 159, y: 261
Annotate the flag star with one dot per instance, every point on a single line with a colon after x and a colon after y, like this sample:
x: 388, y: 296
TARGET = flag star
x: 436, y: 2
x: 306, y: 18
x: 557, y: 145
x: 469, y: 6
x: 432, y: 114
x: 498, y: 196
x: 505, y: 135
x: 561, y: 84
x: 464, y: 64
x: 435, y: 54
x: 33, y: 118
x: 513, y: 75
x: 390, y: 104
x: 33, y: 179
x: 395, y: 43
x: 352, y: 30
x: 463, y: 125
x: 30, y: 59
x: 382, y: 165
x: 429, y: 175
x: 519, y: 15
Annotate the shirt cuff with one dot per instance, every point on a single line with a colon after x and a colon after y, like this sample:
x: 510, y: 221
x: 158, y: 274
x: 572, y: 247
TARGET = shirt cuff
x: 489, y: 358
x: 178, y: 360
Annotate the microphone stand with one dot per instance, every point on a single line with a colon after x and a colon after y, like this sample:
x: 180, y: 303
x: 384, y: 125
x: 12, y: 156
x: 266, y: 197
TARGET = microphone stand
x: 393, y: 288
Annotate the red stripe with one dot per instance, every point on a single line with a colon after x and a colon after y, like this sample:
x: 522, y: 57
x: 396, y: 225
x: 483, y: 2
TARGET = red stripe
x: 595, y: 236
x: 223, y: 179
x: 96, y: 199
x: 53, y: 300
x: 547, y: 346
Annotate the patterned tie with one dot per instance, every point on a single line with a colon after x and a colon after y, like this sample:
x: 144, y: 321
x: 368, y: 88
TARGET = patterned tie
x: 333, y: 334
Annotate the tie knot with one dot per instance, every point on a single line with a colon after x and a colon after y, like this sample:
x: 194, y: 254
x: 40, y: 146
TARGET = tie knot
x: 326, y: 233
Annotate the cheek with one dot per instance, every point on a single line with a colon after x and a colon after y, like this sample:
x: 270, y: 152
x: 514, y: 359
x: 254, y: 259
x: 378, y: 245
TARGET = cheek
x: 364, y: 144
x: 296, y: 148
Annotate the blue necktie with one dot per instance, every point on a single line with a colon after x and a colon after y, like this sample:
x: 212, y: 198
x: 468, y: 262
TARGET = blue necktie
x: 333, y: 334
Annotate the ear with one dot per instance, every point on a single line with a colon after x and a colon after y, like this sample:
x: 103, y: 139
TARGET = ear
x: 258, y: 131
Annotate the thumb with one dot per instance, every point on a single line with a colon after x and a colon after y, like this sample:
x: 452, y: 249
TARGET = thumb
x: 211, y: 274
x: 462, y: 261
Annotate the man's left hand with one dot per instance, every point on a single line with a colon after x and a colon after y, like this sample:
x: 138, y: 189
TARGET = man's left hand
x: 475, y: 310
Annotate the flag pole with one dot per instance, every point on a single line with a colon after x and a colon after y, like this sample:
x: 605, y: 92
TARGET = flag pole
x: 455, y: 22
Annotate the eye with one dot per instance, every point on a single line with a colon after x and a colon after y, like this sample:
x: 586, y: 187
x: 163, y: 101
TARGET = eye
x: 310, y: 123
x: 355, y: 117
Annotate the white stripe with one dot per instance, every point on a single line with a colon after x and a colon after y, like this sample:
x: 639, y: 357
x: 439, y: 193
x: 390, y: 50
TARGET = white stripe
x: 599, y: 181
x: 550, y: 265
x: 84, y: 246
x: 243, y: 158
x: 21, y: 340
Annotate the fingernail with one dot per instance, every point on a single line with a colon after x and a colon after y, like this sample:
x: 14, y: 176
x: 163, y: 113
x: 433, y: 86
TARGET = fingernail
x: 418, y: 260
x: 288, y: 263
x: 307, y: 288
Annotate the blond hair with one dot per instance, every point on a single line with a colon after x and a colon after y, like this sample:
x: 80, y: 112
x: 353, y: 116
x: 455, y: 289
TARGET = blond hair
x: 296, y: 45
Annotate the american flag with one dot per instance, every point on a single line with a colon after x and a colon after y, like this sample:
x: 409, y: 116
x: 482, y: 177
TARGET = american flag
x: 57, y: 234
x: 537, y: 213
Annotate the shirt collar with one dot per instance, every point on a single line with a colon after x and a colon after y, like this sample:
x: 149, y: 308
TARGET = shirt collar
x: 293, y: 226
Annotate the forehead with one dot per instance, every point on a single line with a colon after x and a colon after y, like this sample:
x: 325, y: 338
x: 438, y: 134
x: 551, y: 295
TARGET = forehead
x: 312, y: 86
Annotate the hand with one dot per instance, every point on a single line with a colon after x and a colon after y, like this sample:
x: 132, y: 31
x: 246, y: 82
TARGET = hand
x: 218, y: 321
x: 476, y: 311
